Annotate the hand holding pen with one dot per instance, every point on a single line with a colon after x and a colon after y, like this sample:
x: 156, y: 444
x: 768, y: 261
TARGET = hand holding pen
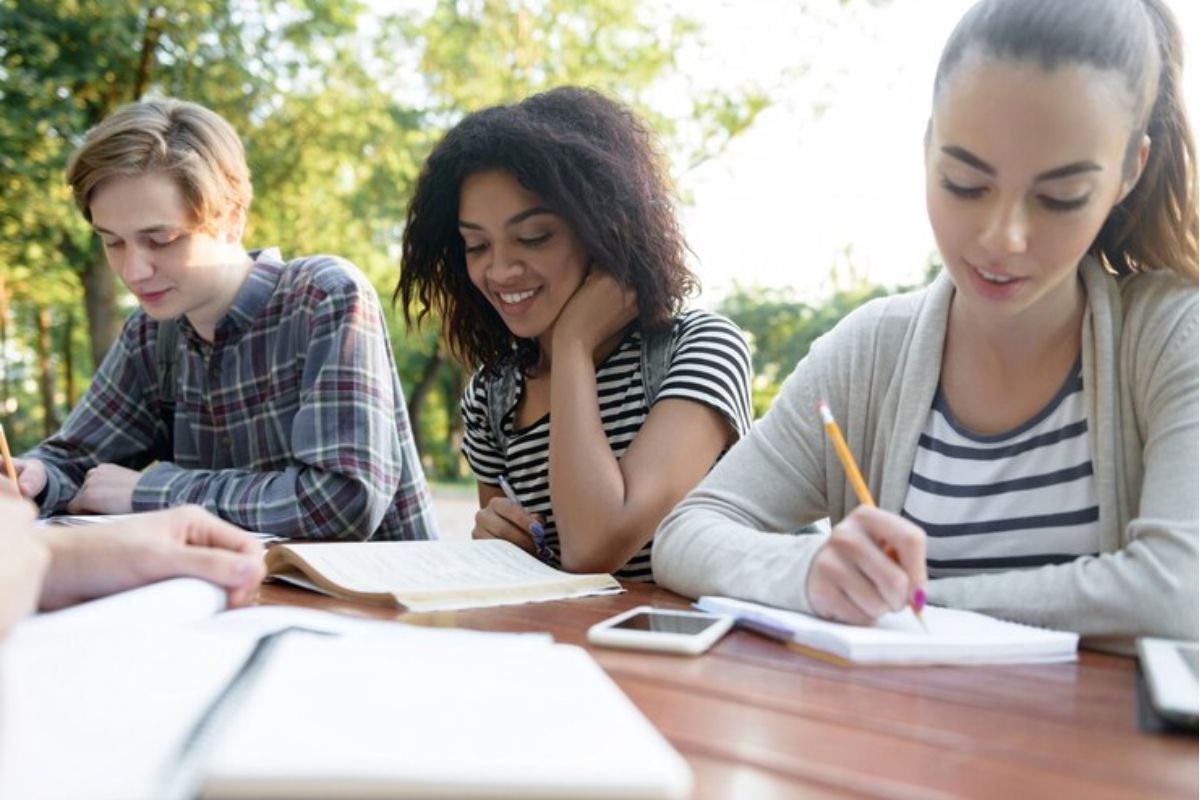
x: 505, y: 518
x: 874, y: 561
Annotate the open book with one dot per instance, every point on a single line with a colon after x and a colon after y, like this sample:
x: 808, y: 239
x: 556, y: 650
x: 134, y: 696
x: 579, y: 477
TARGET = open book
x: 951, y: 636
x: 429, y: 575
x: 114, y: 700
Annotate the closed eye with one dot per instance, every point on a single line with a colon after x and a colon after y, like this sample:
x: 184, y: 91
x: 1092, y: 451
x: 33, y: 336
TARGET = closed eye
x: 1057, y: 204
x: 966, y: 192
x: 534, y: 241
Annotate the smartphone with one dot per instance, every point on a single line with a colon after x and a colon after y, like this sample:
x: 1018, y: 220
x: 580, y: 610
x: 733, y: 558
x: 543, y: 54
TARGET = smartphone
x: 664, y: 630
x: 1172, y: 671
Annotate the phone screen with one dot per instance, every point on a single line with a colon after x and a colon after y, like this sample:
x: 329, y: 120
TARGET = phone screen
x: 665, y: 622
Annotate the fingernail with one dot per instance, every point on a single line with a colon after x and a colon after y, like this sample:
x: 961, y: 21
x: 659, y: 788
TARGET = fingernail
x: 919, y: 599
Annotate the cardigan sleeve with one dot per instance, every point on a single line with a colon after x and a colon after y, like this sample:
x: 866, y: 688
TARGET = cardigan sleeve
x: 733, y: 534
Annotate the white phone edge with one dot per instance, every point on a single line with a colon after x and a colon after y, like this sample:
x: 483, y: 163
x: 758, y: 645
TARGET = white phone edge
x: 605, y: 635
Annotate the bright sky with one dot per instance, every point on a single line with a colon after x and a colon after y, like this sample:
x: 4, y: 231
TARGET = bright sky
x: 798, y: 191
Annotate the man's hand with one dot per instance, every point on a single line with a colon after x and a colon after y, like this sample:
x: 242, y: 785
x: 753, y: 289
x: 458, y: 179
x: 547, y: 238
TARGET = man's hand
x: 91, y: 562
x: 31, y: 476
x: 107, y: 489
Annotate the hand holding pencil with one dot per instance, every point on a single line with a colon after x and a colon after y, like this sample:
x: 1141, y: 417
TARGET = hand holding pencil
x: 874, y: 561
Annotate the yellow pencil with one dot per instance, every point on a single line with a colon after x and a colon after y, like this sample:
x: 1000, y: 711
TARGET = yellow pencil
x: 862, y: 492
x: 9, y: 469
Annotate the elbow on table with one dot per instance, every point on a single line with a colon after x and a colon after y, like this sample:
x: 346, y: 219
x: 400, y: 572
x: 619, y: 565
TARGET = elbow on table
x: 353, y: 513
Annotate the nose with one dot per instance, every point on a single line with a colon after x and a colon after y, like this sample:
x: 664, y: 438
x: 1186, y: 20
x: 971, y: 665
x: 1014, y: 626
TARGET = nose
x: 136, y: 265
x: 504, y: 265
x: 1006, y: 229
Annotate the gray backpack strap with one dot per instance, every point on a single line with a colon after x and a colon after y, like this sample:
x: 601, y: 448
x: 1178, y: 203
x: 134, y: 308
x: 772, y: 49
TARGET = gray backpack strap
x: 501, y: 397
x: 166, y: 359
x: 657, y: 349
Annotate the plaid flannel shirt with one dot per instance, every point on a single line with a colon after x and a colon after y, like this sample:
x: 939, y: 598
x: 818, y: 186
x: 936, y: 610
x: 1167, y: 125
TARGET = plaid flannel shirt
x: 291, y: 421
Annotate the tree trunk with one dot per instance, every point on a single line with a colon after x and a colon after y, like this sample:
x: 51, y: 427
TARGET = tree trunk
x: 68, y: 350
x: 458, y: 383
x: 46, y: 372
x: 416, y: 401
x: 4, y: 370
x: 99, y: 293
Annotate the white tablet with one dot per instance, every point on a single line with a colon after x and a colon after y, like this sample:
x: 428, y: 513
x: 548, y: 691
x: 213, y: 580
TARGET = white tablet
x: 1170, y: 669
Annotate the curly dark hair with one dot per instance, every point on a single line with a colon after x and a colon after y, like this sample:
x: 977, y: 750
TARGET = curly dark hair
x: 591, y: 160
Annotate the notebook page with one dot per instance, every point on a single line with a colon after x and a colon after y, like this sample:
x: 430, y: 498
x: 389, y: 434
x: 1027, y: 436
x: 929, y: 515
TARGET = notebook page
x: 953, y: 636
x: 165, y: 604
x: 101, y: 717
x: 352, y: 718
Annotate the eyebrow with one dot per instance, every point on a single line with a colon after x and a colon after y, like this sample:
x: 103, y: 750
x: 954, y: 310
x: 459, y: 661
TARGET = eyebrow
x: 972, y: 160
x: 515, y: 220
x: 150, y: 229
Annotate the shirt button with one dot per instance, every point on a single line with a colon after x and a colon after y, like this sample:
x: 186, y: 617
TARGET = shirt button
x: 226, y: 442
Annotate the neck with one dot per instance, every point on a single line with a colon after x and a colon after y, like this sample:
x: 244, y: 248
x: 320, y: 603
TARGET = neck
x: 1010, y: 344
x: 204, y: 320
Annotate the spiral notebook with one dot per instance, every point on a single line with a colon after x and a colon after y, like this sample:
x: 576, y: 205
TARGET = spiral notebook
x: 951, y: 636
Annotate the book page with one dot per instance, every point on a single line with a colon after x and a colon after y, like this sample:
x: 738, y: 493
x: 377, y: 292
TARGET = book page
x: 436, y: 575
x: 364, y: 718
x: 950, y: 636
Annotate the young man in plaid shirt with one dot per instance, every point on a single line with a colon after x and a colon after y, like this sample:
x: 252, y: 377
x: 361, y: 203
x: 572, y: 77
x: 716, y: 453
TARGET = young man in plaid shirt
x: 288, y: 415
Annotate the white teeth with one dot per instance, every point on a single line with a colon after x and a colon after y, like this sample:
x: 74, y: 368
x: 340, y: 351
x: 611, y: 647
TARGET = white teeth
x: 517, y: 297
x: 994, y: 278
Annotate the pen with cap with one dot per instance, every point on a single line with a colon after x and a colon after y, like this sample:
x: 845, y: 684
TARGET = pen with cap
x: 536, y: 529
x: 917, y: 602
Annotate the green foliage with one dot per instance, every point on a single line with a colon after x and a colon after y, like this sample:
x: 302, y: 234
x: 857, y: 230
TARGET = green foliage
x: 781, y: 328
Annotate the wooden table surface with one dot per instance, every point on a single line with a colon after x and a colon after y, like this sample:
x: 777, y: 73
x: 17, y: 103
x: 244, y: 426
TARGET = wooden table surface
x: 756, y: 720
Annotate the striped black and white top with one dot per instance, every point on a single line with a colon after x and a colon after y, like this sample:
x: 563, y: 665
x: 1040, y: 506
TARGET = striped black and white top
x: 1024, y: 498
x: 709, y: 364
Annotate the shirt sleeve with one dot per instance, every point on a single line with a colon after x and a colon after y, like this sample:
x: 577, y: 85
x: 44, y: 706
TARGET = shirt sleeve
x: 710, y: 365
x: 116, y: 422
x: 479, y: 446
x: 348, y: 451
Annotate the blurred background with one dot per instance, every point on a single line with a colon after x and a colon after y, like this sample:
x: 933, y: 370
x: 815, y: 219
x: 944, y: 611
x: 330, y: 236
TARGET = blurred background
x: 793, y: 129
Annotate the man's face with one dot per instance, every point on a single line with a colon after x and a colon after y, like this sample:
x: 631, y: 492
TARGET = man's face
x: 172, y: 265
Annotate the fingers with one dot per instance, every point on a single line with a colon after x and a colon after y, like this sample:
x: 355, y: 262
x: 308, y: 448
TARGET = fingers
x: 237, y: 573
x: 31, y: 476
x: 199, y: 527
x: 503, y: 519
x: 872, y: 563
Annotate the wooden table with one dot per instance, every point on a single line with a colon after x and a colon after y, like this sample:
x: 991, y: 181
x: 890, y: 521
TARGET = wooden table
x: 756, y: 720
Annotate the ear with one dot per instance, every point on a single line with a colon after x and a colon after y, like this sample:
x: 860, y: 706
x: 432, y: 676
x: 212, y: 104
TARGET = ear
x: 1143, y: 155
x: 235, y: 225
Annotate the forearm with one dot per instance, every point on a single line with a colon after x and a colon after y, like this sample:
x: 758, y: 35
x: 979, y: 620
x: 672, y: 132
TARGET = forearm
x: 1146, y: 589
x: 301, y: 502
x: 702, y: 548
x: 587, y: 487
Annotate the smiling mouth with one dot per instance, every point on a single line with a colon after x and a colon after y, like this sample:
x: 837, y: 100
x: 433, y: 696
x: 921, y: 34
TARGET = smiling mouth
x: 512, y: 298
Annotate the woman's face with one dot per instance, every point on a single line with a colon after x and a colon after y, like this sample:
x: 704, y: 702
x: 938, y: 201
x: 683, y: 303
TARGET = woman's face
x: 1023, y: 166
x: 523, y: 257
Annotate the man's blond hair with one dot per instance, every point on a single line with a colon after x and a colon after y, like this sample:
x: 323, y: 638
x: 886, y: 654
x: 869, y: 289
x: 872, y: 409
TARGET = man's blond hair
x: 186, y: 141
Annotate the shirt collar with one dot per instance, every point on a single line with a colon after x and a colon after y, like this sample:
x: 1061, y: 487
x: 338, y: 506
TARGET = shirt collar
x: 252, y: 297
